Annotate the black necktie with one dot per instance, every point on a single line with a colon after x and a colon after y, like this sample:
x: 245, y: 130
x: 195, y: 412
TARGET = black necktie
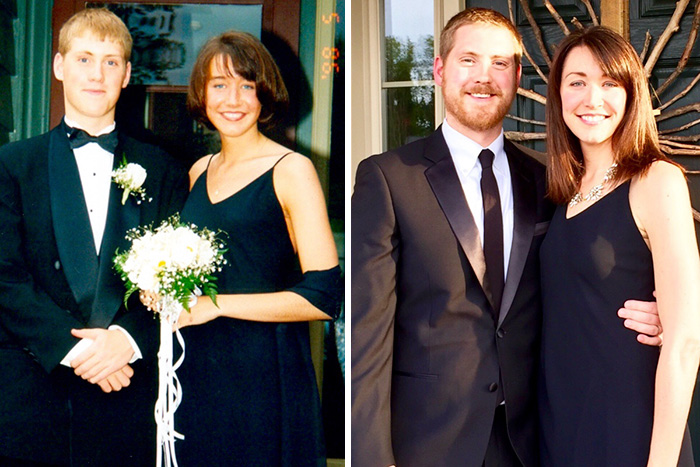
x: 78, y: 138
x: 493, y: 228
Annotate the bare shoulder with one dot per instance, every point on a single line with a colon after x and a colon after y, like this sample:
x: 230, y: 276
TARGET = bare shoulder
x: 198, y: 168
x: 661, y: 193
x: 661, y: 176
x: 295, y: 165
x: 295, y: 171
x: 296, y: 180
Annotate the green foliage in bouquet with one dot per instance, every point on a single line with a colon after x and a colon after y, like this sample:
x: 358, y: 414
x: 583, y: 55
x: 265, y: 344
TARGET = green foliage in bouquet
x: 174, y: 260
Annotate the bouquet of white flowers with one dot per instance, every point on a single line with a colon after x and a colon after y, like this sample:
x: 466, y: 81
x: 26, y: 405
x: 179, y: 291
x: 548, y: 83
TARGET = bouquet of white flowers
x: 174, y: 261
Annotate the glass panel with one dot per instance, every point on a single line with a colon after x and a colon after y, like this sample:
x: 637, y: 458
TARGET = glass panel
x: 410, y: 114
x: 409, y: 40
x: 167, y: 38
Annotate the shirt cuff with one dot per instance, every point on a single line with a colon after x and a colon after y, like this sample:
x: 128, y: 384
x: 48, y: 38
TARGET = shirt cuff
x: 75, y: 351
x: 137, y: 352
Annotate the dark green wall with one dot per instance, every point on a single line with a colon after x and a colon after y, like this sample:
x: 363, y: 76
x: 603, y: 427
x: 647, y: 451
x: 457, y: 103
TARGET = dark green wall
x: 25, y: 64
x: 8, y: 13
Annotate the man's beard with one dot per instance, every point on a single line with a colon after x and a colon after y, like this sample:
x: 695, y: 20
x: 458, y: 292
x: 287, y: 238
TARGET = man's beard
x: 475, y: 117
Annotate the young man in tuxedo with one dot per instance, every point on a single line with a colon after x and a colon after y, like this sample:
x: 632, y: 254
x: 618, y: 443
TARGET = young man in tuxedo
x: 446, y: 309
x: 75, y: 364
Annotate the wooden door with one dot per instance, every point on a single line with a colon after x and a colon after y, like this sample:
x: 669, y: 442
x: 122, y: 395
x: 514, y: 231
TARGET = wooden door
x: 653, y: 17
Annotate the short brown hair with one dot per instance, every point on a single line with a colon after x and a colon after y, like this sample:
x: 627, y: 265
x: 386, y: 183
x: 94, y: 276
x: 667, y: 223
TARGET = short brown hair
x: 635, y: 141
x: 251, y: 60
x: 100, y: 22
x: 478, y: 16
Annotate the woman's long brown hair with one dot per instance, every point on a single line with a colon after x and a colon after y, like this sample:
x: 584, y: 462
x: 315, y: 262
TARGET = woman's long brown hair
x: 635, y: 142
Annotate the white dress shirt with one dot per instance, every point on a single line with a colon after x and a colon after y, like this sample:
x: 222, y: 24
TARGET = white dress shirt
x: 95, y: 168
x: 465, y: 155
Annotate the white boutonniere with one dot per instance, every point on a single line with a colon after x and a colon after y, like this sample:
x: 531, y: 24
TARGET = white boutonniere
x: 130, y: 178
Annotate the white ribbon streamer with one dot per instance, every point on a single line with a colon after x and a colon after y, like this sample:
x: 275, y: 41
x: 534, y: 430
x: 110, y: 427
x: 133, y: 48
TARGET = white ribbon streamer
x: 169, y: 390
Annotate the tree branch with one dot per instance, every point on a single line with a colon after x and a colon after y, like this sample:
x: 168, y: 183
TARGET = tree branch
x: 522, y: 136
x: 671, y: 29
x: 535, y: 66
x: 525, y: 120
x: 525, y: 51
x: 589, y: 7
x: 691, y: 138
x: 532, y: 95
x: 681, y: 128
x: 536, y: 30
x: 686, y: 52
x: 682, y: 93
x: 676, y: 144
x: 510, y: 11
x: 645, y: 49
x: 577, y: 23
x: 669, y: 151
x: 675, y: 112
x: 557, y: 17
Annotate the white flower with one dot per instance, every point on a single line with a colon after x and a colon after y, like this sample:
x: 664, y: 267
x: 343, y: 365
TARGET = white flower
x: 205, y: 253
x: 130, y: 178
x: 136, y: 174
x: 184, y: 245
x: 172, y: 260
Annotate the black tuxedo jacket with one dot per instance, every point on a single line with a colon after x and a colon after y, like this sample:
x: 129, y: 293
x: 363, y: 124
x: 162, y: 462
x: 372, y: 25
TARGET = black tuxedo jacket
x: 427, y: 351
x: 51, y: 280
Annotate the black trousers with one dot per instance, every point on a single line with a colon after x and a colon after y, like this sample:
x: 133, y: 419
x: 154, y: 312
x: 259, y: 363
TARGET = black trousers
x: 114, y: 429
x: 500, y: 452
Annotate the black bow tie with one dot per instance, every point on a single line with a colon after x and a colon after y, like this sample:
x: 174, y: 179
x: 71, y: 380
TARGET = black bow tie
x: 78, y: 138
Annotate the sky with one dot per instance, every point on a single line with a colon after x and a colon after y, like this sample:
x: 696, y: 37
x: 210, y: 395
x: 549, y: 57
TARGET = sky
x: 408, y: 18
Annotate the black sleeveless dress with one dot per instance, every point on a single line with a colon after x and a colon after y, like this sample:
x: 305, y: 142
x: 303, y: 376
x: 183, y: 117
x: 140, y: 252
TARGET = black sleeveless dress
x: 249, y: 388
x: 596, y: 395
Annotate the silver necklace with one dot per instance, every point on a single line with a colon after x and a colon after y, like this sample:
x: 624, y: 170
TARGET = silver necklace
x: 597, y: 191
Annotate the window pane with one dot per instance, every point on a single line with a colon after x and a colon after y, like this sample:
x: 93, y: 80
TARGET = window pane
x: 167, y: 38
x: 410, y: 114
x: 409, y: 39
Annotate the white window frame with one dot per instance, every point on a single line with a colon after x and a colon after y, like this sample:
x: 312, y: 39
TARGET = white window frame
x: 367, y: 85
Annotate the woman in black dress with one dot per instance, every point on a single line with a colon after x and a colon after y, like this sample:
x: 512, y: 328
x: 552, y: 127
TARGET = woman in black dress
x: 249, y: 390
x: 623, y: 228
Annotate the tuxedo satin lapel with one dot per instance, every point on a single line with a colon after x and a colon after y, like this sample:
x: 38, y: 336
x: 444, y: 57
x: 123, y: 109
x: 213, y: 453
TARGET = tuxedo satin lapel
x: 445, y: 184
x: 524, y: 219
x: 110, y: 288
x: 71, y: 223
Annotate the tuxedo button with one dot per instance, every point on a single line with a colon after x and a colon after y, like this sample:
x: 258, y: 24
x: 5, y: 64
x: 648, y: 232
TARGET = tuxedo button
x: 57, y: 265
x: 500, y: 333
x: 493, y: 387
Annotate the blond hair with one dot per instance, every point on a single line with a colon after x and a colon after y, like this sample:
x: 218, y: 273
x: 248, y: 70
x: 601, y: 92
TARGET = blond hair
x: 100, y: 22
